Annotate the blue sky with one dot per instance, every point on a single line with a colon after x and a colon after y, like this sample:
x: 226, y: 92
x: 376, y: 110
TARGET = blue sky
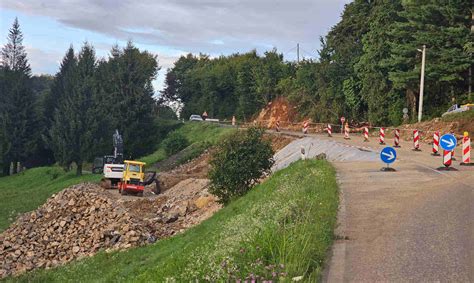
x: 168, y: 28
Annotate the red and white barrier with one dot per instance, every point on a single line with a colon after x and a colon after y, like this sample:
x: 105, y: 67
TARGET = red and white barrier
x: 396, y: 139
x: 466, y: 151
x: 305, y: 127
x: 435, y: 144
x: 447, y: 158
x: 382, y: 136
x: 277, y: 126
x: 366, y: 134
x: 416, y: 140
x: 329, y: 130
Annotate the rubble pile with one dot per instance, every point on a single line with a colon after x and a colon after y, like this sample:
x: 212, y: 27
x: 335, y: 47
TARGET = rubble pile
x: 74, y: 223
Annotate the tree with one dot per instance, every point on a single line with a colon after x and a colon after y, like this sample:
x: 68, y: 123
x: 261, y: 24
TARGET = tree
x: 125, y: 97
x: 75, y: 127
x: 18, y: 103
x: 248, y: 103
x: 376, y: 89
x: 444, y: 28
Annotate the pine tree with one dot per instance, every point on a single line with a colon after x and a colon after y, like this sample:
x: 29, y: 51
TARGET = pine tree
x: 75, y: 127
x: 127, y: 93
x: 62, y: 85
x: 19, y: 104
x: 13, y: 53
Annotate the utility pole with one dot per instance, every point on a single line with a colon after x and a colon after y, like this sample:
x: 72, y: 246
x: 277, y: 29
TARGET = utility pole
x: 298, y: 53
x: 422, y: 82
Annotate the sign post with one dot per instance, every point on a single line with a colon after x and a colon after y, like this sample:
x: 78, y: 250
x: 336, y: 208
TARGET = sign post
x: 388, y: 155
x: 448, y: 143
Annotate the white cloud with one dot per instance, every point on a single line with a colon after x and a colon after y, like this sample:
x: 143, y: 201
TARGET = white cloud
x: 196, y: 25
x: 43, y: 62
x: 214, y: 27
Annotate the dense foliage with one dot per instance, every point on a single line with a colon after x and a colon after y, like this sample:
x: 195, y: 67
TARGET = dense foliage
x: 174, y: 142
x: 368, y: 67
x: 239, y: 162
x: 70, y: 118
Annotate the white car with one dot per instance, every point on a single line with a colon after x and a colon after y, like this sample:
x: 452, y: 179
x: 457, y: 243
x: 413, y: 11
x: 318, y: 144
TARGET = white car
x: 455, y: 109
x: 195, y: 118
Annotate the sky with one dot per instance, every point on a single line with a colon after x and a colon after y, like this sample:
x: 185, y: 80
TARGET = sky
x: 168, y: 28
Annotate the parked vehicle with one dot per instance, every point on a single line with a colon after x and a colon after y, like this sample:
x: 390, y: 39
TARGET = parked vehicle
x: 456, y: 109
x: 195, y: 118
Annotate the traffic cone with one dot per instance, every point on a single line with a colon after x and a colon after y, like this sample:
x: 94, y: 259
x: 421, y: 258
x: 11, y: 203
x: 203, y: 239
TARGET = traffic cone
x: 382, y: 136
x: 366, y: 134
x: 466, y: 150
x: 435, y: 144
x: 396, y: 139
x: 416, y: 140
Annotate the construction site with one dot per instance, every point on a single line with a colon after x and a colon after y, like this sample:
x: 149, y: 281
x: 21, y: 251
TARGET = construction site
x: 84, y: 219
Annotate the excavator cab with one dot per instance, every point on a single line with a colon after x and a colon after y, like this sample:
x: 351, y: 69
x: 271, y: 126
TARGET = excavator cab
x: 133, y: 178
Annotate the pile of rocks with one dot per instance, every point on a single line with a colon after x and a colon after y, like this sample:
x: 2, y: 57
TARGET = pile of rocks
x: 74, y: 223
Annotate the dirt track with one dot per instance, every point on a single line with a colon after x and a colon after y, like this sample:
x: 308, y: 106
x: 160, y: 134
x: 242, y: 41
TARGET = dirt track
x: 414, y: 225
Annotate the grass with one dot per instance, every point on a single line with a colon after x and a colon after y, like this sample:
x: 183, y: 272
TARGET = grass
x: 195, y: 132
x: 281, y: 229
x: 28, y: 190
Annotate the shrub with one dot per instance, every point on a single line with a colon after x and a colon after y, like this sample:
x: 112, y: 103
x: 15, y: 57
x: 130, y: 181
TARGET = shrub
x: 174, y: 143
x: 239, y: 162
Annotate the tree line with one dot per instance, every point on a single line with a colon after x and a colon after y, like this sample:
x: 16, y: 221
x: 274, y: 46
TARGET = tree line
x: 368, y: 68
x: 70, y: 118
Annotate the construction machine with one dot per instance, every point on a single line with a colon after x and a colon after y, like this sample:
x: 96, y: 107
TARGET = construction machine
x: 111, y: 165
x: 127, y: 176
x: 133, y: 179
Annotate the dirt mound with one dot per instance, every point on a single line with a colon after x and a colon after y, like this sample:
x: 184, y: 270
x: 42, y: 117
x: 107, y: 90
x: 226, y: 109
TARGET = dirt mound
x: 279, y: 141
x: 84, y: 219
x: 74, y: 223
x: 277, y: 110
x: 196, y: 168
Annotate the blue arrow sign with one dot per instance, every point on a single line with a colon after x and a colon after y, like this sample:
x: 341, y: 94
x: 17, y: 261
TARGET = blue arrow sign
x: 448, y: 142
x: 388, y: 155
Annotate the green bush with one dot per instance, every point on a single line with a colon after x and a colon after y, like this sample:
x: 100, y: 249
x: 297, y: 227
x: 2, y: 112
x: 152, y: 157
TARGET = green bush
x: 174, y: 143
x: 239, y: 162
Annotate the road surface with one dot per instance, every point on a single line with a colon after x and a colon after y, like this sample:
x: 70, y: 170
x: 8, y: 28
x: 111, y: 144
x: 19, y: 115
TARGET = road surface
x: 415, y: 224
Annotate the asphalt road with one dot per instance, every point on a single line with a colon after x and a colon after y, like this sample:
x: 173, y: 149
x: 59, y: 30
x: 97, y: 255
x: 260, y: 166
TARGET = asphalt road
x: 412, y: 225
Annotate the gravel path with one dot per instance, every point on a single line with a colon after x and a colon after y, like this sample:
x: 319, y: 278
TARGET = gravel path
x: 335, y: 151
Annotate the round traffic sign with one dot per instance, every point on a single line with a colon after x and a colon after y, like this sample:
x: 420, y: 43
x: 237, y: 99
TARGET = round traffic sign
x: 448, y: 142
x: 405, y: 110
x: 388, y: 155
x: 343, y: 119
